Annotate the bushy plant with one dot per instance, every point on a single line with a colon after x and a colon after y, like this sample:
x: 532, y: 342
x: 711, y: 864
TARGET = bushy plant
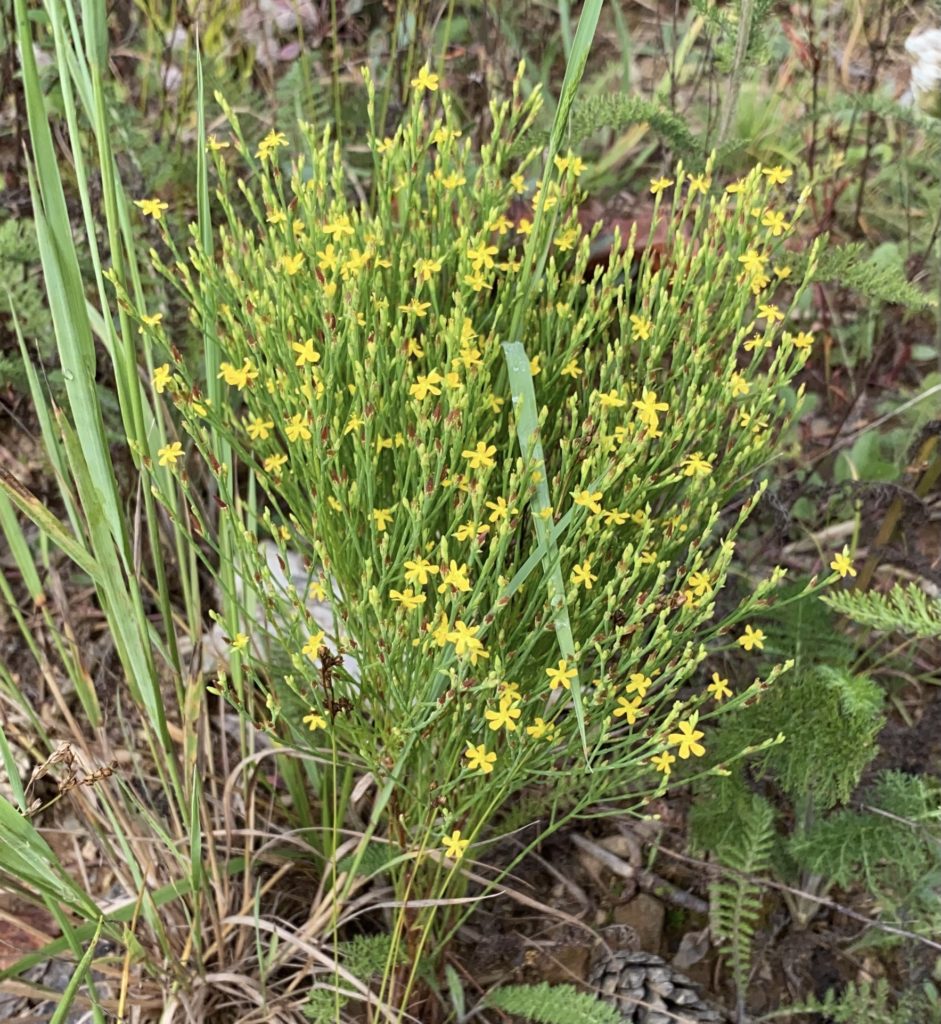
x: 506, y: 474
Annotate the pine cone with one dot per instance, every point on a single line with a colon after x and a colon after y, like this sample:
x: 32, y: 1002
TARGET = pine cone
x: 647, y: 990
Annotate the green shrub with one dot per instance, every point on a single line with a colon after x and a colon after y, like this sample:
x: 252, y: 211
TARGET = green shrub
x: 505, y: 473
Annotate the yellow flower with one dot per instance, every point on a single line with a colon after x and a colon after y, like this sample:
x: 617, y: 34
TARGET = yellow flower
x: 317, y: 591
x: 582, y: 575
x: 292, y: 264
x: 382, y: 517
x: 150, y: 321
x: 470, y: 530
x: 719, y: 687
x: 775, y: 223
x: 419, y: 309
x: 753, y: 261
x: 518, y: 182
x: 425, y: 79
x: 258, y: 429
x: 500, y: 509
x: 269, y: 144
x: 776, y: 175
x: 441, y: 136
x: 770, y: 313
x: 454, y: 180
x: 642, y: 326
x: 561, y: 675
x: 843, y: 564
x: 425, y: 269
x: 540, y: 728
x: 152, y: 207
x: 505, y: 717
x: 454, y: 846
x: 615, y: 517
x: 687, y: 739
x: 440, y: 631
x: 161, y: 378
x: 752, y: 638
x: 696, y: 465
x: 524, y: 226
x: 214, y: 145
x: 407, y: 599
x: 571, y: 369
x: 629, y: 708
x: 476, y: 281
x: 312, y: 647
x: 481, y: 256
x: 455, y: 576
x: 535, y: 366
x: 314, y: 721
x: 297, y: 429
x: 169, y: 453
x: 339, y: 227
x: 464, y: 638
x: 469, y: 358
x: 611, y: 399
x: 501, y: 224
x: 480, y: 759
x: 418, y: 571
x: 481, y: 456
x: 426, y: 385
x: 239, y: 642
x: 238, y: 376
x: 588, y: 499
x: 699, y: 583
x: 566, y: 240
x: 738, y: 385
x: 801, y: 340
x: 273, y: 463
x: 699, y: 183
x: 327, y: 257
x: 663, y: 761
x: 306, y: 353
x: 648, y: 408
x: 658, y: 185
x: 639, y: 683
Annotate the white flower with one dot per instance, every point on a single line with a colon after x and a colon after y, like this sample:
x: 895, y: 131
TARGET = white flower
x: 924, y: 48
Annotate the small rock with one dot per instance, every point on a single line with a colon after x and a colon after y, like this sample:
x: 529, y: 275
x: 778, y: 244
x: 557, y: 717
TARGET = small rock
x: 646, y: 915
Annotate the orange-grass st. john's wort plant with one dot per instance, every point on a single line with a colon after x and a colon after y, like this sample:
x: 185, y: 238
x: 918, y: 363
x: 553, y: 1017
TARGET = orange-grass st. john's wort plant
x: 519, y: 532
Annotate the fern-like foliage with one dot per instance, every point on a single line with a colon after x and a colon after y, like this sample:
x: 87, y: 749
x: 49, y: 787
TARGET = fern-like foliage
x: 904, y: 609
x: 553, y: 1004
x: 20, y: 293
x: 892, y: 845
x: 829, y: 717
x: 803, y: 631
x: 878, y: 276
x: 322, y: 1006
x: 723, y: 23
x: 867, y: 1003
x: 735, y: 900
x: 366, y: 955
x: 617, y: 111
